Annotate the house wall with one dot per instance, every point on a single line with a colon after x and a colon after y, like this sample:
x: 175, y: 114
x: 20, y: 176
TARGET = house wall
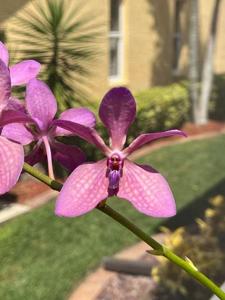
x: 9, y: 7
x: 148, y: 42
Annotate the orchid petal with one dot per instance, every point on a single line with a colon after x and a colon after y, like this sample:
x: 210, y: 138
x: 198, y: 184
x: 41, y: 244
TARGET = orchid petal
x: 36, y: 155
x: 88, y: 134
x: 5, y: 85
x: 147, y: 190
x: 11, y: 158
x: 83, y: 190
x: 4, y: 54
x: 18, y: 133
x: 24, y: 71
x: 149, y: 137
x: 81, y: 116
x: 41, y: 103
x: 68, y: 156
x: 117, y: 112
x: 12, y: 116
x: 15, y: 104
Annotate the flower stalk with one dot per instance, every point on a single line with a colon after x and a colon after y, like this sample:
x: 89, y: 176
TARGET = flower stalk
x: 159, y: 248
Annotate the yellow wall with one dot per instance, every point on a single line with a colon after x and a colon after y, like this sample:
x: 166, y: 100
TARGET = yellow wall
x: 148, y: 42
x: 9, y: 7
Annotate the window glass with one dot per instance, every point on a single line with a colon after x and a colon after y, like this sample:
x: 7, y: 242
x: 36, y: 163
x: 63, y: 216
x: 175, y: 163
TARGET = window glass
x: 114, y: 46
x: 115, y: 41
x: 114, y: 15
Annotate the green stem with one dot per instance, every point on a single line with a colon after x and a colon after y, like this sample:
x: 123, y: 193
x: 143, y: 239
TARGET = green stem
x: 55, y: 185
x: 159, y: 248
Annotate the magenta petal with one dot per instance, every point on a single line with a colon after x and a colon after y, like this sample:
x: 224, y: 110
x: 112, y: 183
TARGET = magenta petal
x: 24, y: 71
x: 11, y: 158
x: 36, y: 155
x: 40, y: 103
x: 117, y: 112
x: 83, y: 190
x: 12, y: 116
x: 5, y: 85
x: 68, y: 156
x: 4, y: 54
x: 17, y: 132
x: 149, y: 137
x: 15, y: 104
x: 147, y: 190
x: 86, y: 133
x: 81, y: 116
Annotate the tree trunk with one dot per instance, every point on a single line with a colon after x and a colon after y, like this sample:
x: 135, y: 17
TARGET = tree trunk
x: 207, y: 72
x: 194, y: 59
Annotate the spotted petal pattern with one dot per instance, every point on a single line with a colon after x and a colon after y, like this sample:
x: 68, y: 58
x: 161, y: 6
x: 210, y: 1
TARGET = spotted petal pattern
x: 11, y: 158
x: 147, y: 190
x: 83, y: 190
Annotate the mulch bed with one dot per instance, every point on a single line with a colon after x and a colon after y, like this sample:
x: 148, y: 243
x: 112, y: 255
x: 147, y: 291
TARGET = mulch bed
x: 23, y: 191
x: 132, y: 287
x: 212, y: 126
x: 123, y: 287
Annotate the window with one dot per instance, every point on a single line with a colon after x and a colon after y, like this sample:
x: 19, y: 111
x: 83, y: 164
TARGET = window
x: 115, y: 40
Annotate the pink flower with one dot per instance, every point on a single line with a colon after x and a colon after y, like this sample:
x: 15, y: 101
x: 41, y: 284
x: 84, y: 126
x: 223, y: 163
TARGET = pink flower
x: 41, y: 106
x: 91, y: 183
x: 22, y: 72
x: 11, y: 154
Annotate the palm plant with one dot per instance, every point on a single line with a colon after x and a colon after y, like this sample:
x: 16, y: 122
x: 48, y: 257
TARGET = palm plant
x: 63, y: 37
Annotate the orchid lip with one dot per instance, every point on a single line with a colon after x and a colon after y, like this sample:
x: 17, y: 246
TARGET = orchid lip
x: 114, y: 171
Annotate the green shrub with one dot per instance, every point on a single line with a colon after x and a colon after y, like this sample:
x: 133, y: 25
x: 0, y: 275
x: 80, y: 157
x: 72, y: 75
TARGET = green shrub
x: 161, y: 108
x: 203, y: 244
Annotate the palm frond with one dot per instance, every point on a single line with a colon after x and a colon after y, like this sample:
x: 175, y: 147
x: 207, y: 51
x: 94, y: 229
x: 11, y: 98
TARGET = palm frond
x: 62, y: 36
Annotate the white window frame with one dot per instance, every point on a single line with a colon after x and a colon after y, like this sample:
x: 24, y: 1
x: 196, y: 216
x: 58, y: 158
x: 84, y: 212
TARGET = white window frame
x: 119, y: 35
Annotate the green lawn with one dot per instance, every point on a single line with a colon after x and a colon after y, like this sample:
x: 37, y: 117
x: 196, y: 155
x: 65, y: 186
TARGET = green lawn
x: 43, y: 257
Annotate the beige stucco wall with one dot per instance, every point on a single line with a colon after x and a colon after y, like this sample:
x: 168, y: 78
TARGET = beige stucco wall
x: 148, y: 27
x: 9, y: 7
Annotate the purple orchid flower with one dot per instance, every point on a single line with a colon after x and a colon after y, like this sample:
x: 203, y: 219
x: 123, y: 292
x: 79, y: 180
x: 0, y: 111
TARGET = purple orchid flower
x: 22, y: 72
x: 11, y: 153
x: 41, y: 106
x: 91, y: 183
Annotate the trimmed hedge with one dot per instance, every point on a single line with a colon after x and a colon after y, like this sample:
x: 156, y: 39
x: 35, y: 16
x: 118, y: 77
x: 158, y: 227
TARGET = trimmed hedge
x: 161, y: 108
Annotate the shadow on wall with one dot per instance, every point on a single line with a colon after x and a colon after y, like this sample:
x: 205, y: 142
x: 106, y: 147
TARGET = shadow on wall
x: 161, y: 65
x: 167, y: 25
x: 9, y: 8
x: 217, y: 103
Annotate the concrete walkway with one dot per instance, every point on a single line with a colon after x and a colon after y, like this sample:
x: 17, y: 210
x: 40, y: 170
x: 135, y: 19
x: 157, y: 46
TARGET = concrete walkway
x: 16, y: 209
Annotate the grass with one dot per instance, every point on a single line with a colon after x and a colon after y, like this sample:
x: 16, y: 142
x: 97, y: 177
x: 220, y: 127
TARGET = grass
x: 43, y: 257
